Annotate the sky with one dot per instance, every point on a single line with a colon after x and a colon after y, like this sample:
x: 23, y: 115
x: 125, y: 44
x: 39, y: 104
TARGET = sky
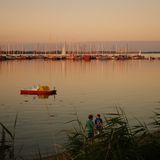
x: 79, y: 20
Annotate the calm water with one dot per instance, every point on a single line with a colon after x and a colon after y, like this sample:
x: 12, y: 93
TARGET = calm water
x: 83, y: 87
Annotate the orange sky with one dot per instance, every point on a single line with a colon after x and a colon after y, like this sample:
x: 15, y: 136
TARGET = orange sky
x: 79, y: 20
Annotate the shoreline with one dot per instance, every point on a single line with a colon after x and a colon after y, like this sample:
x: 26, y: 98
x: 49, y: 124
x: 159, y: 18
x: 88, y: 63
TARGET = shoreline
x: 87, y: 56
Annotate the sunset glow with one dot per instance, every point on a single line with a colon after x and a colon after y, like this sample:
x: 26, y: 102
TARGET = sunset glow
x: 79, y: 20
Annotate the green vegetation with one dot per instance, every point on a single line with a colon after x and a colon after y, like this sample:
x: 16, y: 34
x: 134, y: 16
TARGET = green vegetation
x: 117, y: 141
x: 7, y: 142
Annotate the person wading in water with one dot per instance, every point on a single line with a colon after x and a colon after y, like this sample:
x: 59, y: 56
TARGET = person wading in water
x: 90, y: 128
x: 98, y: 123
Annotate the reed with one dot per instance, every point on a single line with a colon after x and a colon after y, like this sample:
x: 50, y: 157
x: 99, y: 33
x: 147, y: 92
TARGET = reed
x: 118, y: 140
x: 7, y: 142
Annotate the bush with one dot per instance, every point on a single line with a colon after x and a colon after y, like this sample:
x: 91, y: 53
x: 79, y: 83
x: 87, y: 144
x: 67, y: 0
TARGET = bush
x: 117, y: 141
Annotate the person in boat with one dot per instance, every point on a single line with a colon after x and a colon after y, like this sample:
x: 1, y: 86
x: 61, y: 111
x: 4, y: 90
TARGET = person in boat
x: 98, y: 123
x: 90, y: 128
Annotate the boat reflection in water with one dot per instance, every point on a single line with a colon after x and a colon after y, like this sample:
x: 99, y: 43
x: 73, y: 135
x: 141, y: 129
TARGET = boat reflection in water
x: 44, y: 96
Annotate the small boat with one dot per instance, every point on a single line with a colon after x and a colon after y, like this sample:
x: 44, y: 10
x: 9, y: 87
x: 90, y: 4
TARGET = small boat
x: 87, y: 57
x: 39, y: 90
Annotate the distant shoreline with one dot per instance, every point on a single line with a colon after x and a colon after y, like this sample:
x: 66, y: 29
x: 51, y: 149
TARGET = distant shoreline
x: 71, y: 55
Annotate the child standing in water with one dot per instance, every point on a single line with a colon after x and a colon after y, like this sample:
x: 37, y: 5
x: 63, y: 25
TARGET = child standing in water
x: 98, y: 123
x: 90, y: 127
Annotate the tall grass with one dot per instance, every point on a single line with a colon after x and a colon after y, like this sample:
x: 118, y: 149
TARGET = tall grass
x: 117, y: 141
x: 7, y: 142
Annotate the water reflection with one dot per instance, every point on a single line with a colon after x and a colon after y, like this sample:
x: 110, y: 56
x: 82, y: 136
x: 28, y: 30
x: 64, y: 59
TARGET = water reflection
x: 41, y: 96
x: 83, y: 87
x: 45, y: 96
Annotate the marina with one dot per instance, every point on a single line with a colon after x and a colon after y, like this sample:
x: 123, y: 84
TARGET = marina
x: 17, y: 55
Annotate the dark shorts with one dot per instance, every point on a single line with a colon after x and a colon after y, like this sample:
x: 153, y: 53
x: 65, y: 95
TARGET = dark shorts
x: 99, y: 128
x: 90, y: 135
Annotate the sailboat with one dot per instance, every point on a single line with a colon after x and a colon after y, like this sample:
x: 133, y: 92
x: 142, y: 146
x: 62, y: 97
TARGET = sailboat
x: 87, y: 57
x: 63, y: 55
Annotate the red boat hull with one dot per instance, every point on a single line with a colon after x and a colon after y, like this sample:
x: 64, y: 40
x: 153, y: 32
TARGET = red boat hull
x: 35, y: 92
x: 87, y: 57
